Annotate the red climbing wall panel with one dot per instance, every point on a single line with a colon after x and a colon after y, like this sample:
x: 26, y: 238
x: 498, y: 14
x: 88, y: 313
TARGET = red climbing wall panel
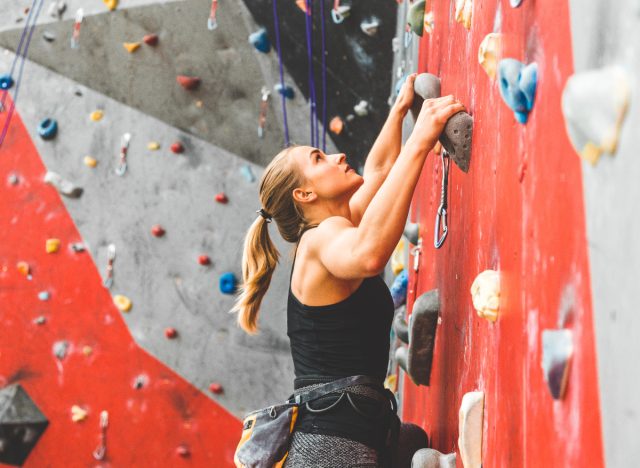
x: 146, y: 425
x: 519, y: 210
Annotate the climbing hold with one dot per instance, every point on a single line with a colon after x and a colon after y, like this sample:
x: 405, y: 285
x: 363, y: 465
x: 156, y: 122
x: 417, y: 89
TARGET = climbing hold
x: 518, y: 86
x: 77, y: 247
x: 183, y: 451
x: 415, y: 17
x: 122, y: 302
x: 21, y: 424
x: 429, y: 22
x: 48, y: 36
x: 96, y: 115
x: 260, y: 40
x: 464, y: 10
x: 44, y: 295
x: 170, y: 332
x: 362, y: 108
x: 397, y: 258
x: 90, y: 162
x: 87, y: 350
x: 47, y: 129
x: 13, y: 179
x: 24, y: 269
x: 57, y: 8
x: 60, y: 349
x: 340, y: 12
x: 594, y: 104
x: 78, y: 413
x: 188, y: 82
x: 370, y: 26
x: 302, y: 4
x: 430, y: 458
x: 221, y: 198
x: 150, y: 39
x: 215, y: 388
x: 515, y: 3
x: 248, y: 174
x: 52, y: 245
x: 131, y: 46
x: 485, y: 293
x: 412, y: 232
x: 399, y: 289
x: 204, y: 260
x: 153, y: 146
x: 391, y: 382
x: 416, y: 358
x: 111, y: 4
x: 489, y: 53
x: 470, y: 423
x: 228, y: 283
x: 336, y: 125
x: 287, y: 91
x: 400, y: 326
x: 557, y: 349
x: 157, y: 230
x: 6, y: 81
x: 62, y: 185
x: 177, y: 147
x: 458, y: 131
x: 40, y: 320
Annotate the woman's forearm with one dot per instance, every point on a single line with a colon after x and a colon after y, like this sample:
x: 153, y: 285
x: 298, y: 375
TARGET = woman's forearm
x: 386, y: 148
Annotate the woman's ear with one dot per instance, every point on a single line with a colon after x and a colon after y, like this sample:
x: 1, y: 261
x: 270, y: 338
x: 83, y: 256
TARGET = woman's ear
x: 303, y: 196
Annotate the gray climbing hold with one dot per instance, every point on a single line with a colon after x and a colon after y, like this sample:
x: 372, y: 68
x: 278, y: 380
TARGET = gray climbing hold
x: 400, y: 326
x: 457, y: 135
x: 60, y: 349
x: 417, y: 357
x: 62, y: 185
x: 557, y: 349
x: 430, y: 458
x: 21, y: 425
x: 412, y: 233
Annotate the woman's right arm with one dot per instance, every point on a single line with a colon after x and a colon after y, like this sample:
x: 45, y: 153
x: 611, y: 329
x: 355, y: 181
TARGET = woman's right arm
x: 351, y: 252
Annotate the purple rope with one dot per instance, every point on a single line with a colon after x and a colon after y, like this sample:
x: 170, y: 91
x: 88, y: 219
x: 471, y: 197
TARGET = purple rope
x: 312, y: 86
x: 324, y: 80
x: 19, y: 78
x: 282, y: 95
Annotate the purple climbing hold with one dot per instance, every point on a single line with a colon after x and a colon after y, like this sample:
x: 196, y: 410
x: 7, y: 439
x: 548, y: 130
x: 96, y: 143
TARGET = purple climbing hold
x: 518, y: 84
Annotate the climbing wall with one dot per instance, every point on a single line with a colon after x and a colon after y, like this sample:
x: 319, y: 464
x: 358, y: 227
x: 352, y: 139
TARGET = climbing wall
x: 548, y: 222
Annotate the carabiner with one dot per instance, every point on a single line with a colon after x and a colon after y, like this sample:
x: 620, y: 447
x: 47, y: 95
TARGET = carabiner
x: 441, y: 216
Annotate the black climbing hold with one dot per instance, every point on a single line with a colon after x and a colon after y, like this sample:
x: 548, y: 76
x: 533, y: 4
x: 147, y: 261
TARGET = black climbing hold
x: 21, y: 425
x: 417, y: 357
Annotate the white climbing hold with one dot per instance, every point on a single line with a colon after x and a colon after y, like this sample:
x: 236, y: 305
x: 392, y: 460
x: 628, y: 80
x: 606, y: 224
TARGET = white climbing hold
x: 429, y: 22
x: 470, y: 421
x: 489, y: 53
x: 362, y: 108
x: 594, y: 104
x: 78, y: 413
x: 62, y: 185
x: 430, y: 458
x: 370, y: 26
x: 464, y: 10
x: 485, y: 293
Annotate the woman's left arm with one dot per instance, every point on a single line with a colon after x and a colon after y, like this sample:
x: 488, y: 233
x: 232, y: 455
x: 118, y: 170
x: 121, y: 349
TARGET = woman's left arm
x: 384, y: 152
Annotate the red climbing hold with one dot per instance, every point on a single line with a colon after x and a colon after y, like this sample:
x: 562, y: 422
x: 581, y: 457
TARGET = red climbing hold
x: 204, y: 260
x: 221, y: 198
x: 183, y: 451
x: 188, y: 82
x: 177, y: 148
x: 157, y: 230
x: 150, y: 39
x: 170, y: 332
x: 216, y: 388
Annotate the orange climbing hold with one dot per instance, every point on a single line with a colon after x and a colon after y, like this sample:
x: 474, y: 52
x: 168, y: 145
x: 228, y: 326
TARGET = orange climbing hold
x: 24, y: 268
x: 216, y: 388
x: 336, y: 125
x: 188, y: 82
x: 131, y: 46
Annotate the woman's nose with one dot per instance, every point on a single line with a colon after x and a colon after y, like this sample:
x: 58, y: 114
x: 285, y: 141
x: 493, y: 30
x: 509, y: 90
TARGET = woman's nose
x: 340, y: 158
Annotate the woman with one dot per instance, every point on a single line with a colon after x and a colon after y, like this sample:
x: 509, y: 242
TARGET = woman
x: 339, y: 312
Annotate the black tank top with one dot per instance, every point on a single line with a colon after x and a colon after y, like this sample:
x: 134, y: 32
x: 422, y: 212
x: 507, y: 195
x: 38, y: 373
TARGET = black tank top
x: 350, y: 337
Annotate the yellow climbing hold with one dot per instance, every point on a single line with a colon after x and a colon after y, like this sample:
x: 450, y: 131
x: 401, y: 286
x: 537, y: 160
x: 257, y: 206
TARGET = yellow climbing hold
x: 391, y: 382
x: 153, y: 146
x: 429, y: 22
x: 111, y: 4
x: 131, y: 46
x: 87, y: 350
x: 90, y: 162
x: 397, y: 258
x: 96, y: 115
x: 122, y: 302
x: 53, y: 245
x: 490, y: 52
x: 464, y: 9
x: 78, y: 413
x: 23, y: 267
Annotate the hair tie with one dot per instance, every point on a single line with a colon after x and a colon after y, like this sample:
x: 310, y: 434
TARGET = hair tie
x: 264, y: 214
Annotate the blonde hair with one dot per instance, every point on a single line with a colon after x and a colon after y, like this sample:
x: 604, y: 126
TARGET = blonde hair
x: 260, y: 256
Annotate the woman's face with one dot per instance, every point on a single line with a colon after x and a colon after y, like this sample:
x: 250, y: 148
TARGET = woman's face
x: 327, y: 175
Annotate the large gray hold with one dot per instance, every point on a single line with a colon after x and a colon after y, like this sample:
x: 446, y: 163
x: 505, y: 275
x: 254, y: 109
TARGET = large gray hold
x: 458, y: 132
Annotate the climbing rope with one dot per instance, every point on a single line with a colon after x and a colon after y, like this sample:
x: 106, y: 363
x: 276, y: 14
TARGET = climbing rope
x: 312, y: 85
x: 324, y: 79
x: 282, y: 95
x: 21, y: 54
x: 441, y: 216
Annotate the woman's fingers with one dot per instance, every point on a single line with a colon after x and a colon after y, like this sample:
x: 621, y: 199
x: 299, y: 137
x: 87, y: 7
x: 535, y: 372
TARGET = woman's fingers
x: 447, y: 111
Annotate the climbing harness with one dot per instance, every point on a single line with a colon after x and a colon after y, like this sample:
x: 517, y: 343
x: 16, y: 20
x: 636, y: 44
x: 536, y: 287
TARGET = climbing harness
x: 75, y: 37
x: 100, y: 451
x: 441, y: 216
x: 264, y: 104
x: 121, y: 168
x: 111, y: 256
x: 212, y: 23
x: 284, y: 104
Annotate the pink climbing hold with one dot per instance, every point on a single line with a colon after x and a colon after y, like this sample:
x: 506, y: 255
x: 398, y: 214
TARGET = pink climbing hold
x: 216, y: 388
x: 150, y: 39
x: 188, y: 82
x: 157, y: 230
x: 177, y: 148
x: 221, y: 198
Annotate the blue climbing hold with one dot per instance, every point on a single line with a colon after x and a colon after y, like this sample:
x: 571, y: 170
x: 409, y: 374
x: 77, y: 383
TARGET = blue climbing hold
x: 287, y: 91
x: 6, y: 82
x: 228, y: 283
x: 399, y: 289
x: 260, y: 41
x: 518, y: 86
x: 48, y: 129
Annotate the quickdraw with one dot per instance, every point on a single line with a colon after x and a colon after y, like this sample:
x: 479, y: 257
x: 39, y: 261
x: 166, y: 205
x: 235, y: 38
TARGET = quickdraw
x: 111, y: 256
x: 212, y: 23
x: 121, y: 168
x: 441, y: 216
x: 339, y: 12
x: 101, y: 450
x: 264, y: 104
x: 75, y: 37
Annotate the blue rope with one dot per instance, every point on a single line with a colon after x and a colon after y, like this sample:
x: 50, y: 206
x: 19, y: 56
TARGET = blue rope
x: 282, y: 95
